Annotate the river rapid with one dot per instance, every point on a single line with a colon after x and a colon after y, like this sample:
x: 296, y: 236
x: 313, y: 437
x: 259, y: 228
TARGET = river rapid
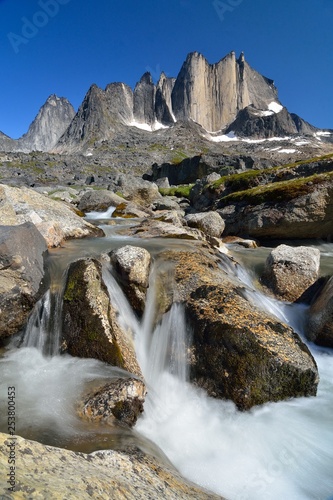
x: 277, y: 450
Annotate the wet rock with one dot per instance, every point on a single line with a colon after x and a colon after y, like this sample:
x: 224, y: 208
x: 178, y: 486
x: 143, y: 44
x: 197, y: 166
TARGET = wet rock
x: 99, y: 200
x: 22, y: 250
x: 211, y: 223
x: 170, y: 216
x: 289, y: 271
x: 238, y: 351
x: 121, y: 400
x: 246, y: 243
x: 133, y: 474
x: 128, y: 210
x: 53, y: 219
x: 319, y: 328
x: 90, y: 325
x: 151, y: 228
x: 132, y: 265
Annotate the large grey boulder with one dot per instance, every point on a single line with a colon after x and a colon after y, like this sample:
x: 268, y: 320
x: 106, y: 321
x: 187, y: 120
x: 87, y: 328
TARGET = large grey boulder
x: 138, y: 190
x: 90, y: 322
x: 211, y: 223
x: 61, y: 474
x: 319, y: 327
x: 54, y: 220
x: 238, y: 352
x: 22, y: 250
x: 132, y: 266
x: 290, y: 271
x: 99, y: 200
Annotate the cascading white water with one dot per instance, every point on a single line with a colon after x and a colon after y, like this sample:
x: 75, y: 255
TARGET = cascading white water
x: 278, y: 450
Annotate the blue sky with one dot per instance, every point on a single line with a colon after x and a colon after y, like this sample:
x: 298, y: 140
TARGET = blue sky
x: 64, y: 46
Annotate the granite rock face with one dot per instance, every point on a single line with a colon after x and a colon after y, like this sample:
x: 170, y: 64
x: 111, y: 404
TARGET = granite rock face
x: 54, y: 473
x: 144, y: 100
x: 163, y: 103
x: 289, y: 271
x: 212, y: 95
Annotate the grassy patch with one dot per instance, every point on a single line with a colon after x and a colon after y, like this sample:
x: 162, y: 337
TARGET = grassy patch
x: 178, y: 157
x: 182, y: 191
x: 277, y: 191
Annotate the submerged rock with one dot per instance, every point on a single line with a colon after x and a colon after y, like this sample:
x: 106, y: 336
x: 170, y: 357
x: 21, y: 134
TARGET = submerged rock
x: 238, y: 351
x: 90, y: 325
x: 319, y: 328
x: 22, y: 250
x: 132, y: 266
x: 54, y: 473
x: 120, y: 400
x: 289, y: 271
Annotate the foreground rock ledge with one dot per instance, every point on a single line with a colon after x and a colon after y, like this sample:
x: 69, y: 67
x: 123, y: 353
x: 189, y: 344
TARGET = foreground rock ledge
x: 54, y: 473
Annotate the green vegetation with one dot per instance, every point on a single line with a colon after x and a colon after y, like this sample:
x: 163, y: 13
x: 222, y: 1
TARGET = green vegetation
x: 277, y: 191
x: 178, y: 157
x: 181, y: 191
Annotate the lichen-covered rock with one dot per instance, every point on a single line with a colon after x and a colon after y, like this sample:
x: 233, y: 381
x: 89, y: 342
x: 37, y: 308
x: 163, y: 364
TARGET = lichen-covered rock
x: 319, y: 327
x: 238, y: 351
x: 53, y: 473
x: 132, y: 265
x: 211, y: 223
x: 90, y: 325
x: 53, y: 219
x: 120, y: 400
x: 290, y: 271
x: 128, y: 210
x: 22, y: 251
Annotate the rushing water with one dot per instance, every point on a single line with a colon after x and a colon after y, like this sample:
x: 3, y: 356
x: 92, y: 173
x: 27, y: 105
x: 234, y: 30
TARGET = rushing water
x: 278, y: 450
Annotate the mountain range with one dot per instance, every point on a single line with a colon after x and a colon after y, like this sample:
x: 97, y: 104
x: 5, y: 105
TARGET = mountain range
x: 225, y: 101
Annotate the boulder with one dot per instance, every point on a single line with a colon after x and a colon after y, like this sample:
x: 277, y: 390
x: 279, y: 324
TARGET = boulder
x: 128, y: 210
x: 53, y: 219
x: 166, y: 203
x: 99, y: 200
x: 295, y: 209
x: 290, y: 271
x: 22, y: 250
x: 152, y: 228
x: 319, y: 327
x: 238, y: 352
x: 211, y: 223
x: 54, y: 473
x: 90, y: 325
x: 120, y: 400
x: 132, y: 265
x: 140, y: 191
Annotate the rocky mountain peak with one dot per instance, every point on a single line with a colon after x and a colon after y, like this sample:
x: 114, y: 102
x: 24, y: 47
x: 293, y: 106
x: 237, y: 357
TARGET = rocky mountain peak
x: 50, y: 123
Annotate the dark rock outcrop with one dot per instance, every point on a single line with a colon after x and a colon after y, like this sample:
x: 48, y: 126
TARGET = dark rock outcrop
x: 22, y: 250
x: 319, y: 327
x: 90, y: 325
x: 144, y: 100
x: 289, y: 271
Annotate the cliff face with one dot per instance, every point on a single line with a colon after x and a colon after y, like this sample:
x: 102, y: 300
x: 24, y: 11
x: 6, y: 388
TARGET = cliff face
x: 212, y: 95
x: 228, y: 96
x: 48, y: 126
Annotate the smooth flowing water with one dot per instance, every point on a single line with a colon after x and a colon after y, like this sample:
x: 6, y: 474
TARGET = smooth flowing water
x: 278, y: 450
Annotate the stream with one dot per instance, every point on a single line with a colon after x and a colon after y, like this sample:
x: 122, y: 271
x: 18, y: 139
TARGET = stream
x: 277, y: 450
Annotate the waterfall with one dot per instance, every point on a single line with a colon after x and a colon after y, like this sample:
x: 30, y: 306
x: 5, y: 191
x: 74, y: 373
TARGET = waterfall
x: 277, y: 450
